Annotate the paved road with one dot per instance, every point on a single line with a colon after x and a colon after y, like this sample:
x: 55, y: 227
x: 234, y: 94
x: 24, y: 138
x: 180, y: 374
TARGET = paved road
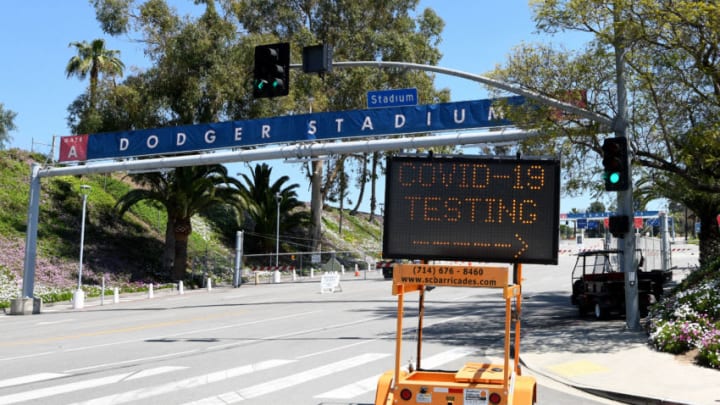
x: 266, y: 344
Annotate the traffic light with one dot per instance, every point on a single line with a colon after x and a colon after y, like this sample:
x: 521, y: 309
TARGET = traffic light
x: 271, y: 76
x: 619, y: 225
x: 317, y: 59
x: 615, y: 163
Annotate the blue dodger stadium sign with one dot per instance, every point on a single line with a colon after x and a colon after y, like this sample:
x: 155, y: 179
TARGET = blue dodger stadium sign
x: 286, y: 129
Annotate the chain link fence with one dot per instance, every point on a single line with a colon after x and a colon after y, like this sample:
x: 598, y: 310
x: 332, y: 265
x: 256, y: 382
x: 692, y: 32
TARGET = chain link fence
x: 261, y: 268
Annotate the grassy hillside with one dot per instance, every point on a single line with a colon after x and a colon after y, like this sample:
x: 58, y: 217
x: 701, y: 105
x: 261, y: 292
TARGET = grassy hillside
x: 127, y: 250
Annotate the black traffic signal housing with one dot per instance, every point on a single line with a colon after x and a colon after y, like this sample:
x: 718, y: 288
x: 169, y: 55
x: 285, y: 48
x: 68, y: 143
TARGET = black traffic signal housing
x: 619, y: 225
x: 616, y: 171
x: 271, y: 76
x: 317, y: 59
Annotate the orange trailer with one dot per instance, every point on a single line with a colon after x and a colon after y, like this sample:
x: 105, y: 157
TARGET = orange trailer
x: 476, y: 383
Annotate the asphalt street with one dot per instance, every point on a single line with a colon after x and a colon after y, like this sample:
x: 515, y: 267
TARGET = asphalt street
x: 282, y: 343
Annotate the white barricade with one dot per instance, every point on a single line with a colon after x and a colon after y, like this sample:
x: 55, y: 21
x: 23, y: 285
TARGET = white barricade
x: 330, y: 282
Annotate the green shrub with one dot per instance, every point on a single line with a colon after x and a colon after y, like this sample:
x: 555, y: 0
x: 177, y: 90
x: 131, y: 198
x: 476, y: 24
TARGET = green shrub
x: 689, y: 317
x: 709, y: 355
x: 672, y: 337
x: 55, y: 296
x: 8, y: 286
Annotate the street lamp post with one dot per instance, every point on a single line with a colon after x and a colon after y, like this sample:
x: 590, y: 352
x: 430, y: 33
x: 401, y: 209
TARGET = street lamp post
x: 79, y: 296
x: 277, y: 231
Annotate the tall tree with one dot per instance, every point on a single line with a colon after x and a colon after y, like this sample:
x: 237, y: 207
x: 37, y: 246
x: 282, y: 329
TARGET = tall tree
x: 203, y: 65
x: 93, y: 60
x: 363, y: 177
x: 263, y: 201
x: 7, y: 124
x: 339, y: 190
x: 357, y: 30
x: 183, y: 192
x: 672, y: 67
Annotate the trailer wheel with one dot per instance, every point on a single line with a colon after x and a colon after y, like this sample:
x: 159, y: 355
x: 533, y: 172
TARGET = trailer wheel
x: 600, y: 312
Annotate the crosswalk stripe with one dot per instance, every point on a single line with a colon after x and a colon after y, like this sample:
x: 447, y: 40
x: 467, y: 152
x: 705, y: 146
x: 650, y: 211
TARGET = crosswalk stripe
x: 289, y: 381
x: 193, y: 382
x: 29, y: 379
x: 369, y: 384
x: 80, y: 385
x: 345, y: 392
x: 352, y: 390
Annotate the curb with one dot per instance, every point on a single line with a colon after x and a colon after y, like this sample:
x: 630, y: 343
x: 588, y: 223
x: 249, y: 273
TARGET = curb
x: 626, y: 398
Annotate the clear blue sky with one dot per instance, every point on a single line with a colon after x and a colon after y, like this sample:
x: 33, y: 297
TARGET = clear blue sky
x: 36, y: 34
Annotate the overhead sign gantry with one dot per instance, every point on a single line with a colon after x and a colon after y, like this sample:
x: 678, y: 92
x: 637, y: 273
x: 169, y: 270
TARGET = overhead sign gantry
x: 83, y: 147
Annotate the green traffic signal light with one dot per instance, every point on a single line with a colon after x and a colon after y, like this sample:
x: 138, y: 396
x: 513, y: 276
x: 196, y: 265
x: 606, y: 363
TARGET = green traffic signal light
x: 616, y: 169
x: 614, y: 177
x: 271, y: 70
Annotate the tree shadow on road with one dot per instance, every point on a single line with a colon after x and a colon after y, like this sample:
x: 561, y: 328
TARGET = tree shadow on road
x: 549, y: 324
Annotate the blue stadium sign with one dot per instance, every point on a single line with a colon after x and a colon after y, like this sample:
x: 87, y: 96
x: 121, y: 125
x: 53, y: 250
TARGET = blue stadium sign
x: 287, y: 129
x: 392, y: 98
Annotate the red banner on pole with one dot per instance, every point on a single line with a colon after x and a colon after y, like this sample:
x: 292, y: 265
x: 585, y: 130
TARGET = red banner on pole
x: 638, y: 222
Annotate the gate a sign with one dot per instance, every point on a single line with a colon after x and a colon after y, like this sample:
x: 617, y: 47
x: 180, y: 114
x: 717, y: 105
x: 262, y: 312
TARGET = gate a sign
x: 73, y: 148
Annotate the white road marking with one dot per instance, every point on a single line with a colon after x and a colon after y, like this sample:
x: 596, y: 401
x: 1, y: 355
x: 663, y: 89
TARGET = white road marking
x: 192, y: 382
x: 289, y: 381
x: 369, y: 384
x: 9, y: 382
x: 80, y: 385
x: 54, y: 322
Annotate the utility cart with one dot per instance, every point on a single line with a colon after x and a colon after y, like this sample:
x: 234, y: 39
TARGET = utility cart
x: 598, y: 285
x: 476, y: 383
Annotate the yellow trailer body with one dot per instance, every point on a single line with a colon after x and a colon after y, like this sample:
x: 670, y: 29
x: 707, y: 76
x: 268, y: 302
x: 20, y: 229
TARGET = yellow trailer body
x: 475, y: 383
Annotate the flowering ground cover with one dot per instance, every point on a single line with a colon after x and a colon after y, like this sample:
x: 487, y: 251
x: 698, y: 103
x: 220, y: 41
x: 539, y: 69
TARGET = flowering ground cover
x: 687, y: 319
x: 55, y: 279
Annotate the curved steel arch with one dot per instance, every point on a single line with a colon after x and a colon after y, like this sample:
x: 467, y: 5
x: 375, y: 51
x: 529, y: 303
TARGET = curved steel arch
x: 581, y: 112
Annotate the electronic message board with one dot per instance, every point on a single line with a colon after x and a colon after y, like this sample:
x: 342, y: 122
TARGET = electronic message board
x: 491, y: 209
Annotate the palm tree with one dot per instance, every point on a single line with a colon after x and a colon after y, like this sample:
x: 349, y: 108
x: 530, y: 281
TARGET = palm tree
x: 183, y: 192
x: 93, y: 60
x: 261, y: 204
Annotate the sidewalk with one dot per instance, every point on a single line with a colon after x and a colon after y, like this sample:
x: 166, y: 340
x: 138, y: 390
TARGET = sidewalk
x: 266, y: 279
x: 605, y: 359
